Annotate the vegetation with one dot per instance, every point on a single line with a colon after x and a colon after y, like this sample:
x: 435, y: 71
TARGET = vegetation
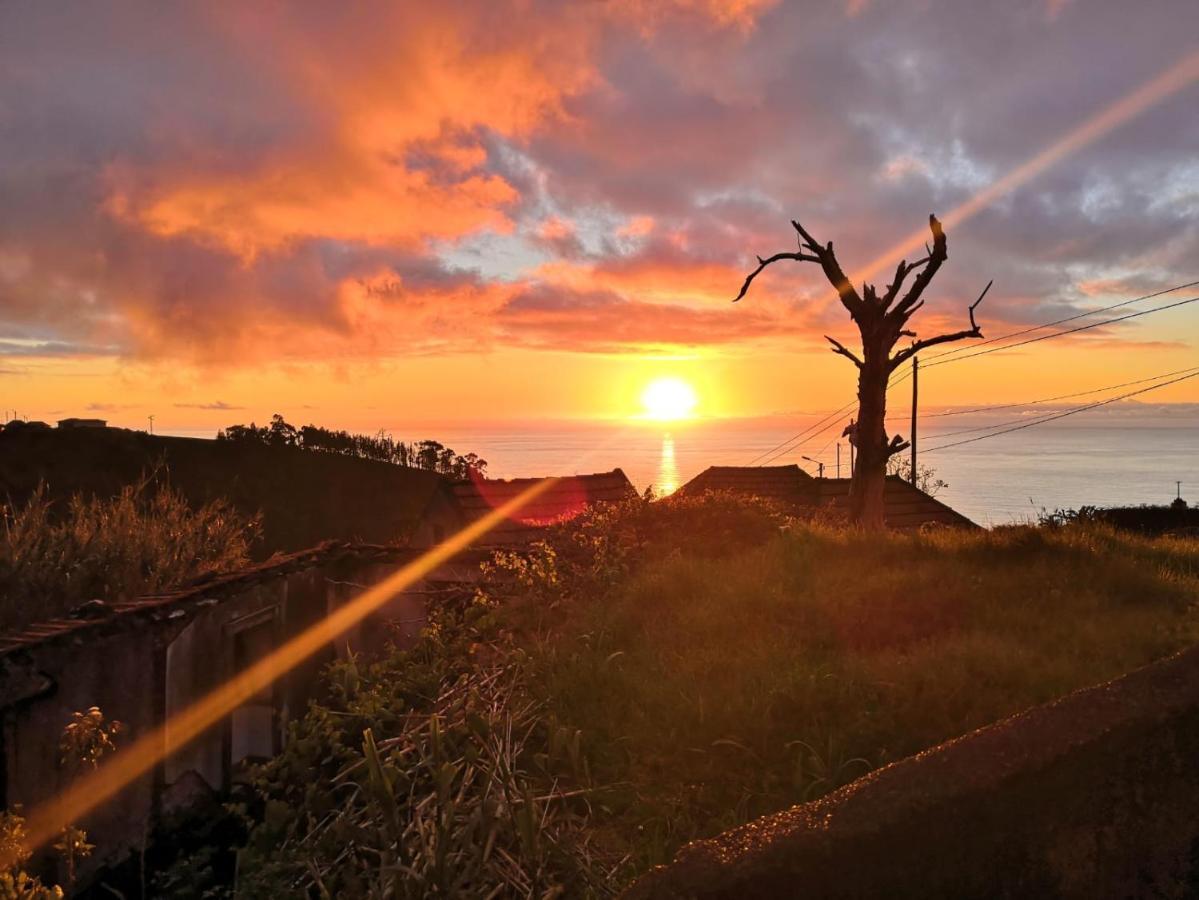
x: 55, y: 557
x: 1177, y: 518
x: 652, y: 673
x: 927, y: 478
x: 433, y: 772
x: 85, y: 740
x: 427, y: 454
x: 711, y: 689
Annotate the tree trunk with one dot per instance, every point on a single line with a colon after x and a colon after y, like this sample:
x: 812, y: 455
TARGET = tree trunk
x: 882, y: 319
x: 866, y: 507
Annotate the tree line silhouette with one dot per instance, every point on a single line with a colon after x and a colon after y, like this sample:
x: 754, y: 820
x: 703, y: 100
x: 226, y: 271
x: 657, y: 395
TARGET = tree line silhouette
x: 427, y: 454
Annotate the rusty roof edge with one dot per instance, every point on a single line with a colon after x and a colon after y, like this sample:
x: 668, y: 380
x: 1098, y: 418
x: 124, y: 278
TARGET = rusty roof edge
x: 220, y: 586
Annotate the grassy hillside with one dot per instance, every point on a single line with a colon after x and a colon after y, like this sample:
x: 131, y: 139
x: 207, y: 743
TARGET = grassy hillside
x: 714, y: 690
x: 304, y: 497
x: 684, y: 667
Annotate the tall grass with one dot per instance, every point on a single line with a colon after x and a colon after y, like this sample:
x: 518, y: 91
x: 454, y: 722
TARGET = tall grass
x: 147, y: 538
x: 429, y: 773
x: 720, y: 689
x: 654, y: 673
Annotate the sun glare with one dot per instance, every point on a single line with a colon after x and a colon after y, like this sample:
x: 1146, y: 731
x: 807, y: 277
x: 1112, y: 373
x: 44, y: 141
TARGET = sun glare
x: 668, y: 399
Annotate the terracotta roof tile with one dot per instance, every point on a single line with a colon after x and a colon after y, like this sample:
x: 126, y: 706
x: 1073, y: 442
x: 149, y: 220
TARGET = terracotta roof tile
x: 563, y: 500
x: 130, y: 613
x: 905, y: 505
x: 788, y: 484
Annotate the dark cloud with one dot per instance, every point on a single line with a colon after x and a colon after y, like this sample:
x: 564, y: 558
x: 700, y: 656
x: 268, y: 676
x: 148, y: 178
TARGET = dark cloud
x: 109, y: 407
x: 11, y: 348
x: 606, y: 174
x: 214, y: 405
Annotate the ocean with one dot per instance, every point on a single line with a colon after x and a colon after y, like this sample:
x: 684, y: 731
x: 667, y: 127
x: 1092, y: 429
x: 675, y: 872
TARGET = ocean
x: 1116, y: 461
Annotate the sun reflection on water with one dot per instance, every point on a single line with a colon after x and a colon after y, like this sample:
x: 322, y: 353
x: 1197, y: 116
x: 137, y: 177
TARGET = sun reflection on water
x: 668, y: 471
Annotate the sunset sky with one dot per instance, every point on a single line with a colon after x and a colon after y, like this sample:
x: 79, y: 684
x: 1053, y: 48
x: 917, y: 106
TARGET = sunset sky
x: 373, y: 215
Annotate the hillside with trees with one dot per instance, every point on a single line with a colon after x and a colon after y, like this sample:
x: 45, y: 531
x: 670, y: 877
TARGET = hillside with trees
x: 301, y: 497
x: 430, y: 455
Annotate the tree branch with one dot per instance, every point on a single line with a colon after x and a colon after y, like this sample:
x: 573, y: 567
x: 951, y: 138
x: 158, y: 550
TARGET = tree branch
x: 897, y: 445
x: 832, y: 270
x: 763, y: 263
x: 974, y: 331
x: 937, y: 254
x: 842, y: 350
x: 902, y: 271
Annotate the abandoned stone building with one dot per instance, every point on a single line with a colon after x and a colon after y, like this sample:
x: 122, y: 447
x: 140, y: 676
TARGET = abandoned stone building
x: 144, y: 660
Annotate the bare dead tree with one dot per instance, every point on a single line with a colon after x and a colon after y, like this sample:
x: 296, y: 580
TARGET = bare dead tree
x: 882, y: 320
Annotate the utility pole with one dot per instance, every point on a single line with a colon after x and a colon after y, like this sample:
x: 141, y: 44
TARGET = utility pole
x: 819, y: 466
x: 838, y: 459
x: 151, y: 418
x: 915, y: 384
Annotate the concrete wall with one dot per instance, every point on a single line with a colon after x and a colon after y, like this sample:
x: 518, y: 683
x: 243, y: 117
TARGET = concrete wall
x: 121, y: 673
x: 152, y: 658
x: 1093, y: 796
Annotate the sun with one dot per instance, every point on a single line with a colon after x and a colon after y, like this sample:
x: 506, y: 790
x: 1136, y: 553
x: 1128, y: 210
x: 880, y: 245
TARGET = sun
x: 668, y: 399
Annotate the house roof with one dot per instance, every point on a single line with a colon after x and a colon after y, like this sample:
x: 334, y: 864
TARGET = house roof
x: 95, y: 618
x: 905, y: 506
x: 563, y: 500
x: 787, y: 484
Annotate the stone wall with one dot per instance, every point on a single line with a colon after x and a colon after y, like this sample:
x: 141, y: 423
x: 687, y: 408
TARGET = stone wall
x: 142, y: 661
x: 1095, y: 795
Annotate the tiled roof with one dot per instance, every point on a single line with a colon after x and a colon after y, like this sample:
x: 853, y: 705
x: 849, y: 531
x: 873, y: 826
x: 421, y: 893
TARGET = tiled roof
x: 99, y: 618
x: 787, y: 484
x: 905, y: 505
x: 563, y: 500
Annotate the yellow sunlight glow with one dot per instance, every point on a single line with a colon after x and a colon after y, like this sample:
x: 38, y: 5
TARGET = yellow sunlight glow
x: 668, y: 399
x: 47, y: 821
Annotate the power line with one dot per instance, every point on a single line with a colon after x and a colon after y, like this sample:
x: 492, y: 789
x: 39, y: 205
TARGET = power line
x: 789, y: 444
x: 994, y: 408
x: 1112, y: 387
x: 786, y: 446
x: 1074, y: 318
x: 1046, y: 337
x: 1062, y: 415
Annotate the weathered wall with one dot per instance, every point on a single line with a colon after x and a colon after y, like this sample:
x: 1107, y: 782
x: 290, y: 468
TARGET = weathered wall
x: 1095, y: 795
x: 143, y: 661
x: 117, y: 672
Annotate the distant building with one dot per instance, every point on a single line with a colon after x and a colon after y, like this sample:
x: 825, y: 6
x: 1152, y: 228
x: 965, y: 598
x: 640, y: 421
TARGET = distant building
x: 788, y: 485
x: 145, y: 659
x: 563, y: 500
x: 19, y: 424
x: 82, y: 423
x: 905, y: 505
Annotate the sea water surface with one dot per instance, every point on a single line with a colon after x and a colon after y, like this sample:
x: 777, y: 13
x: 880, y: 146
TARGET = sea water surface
x: 999, y: 480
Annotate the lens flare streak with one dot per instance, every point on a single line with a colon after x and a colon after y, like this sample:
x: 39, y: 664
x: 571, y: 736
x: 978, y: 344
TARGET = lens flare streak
x: 130, y: 763
x: 1177, y: 77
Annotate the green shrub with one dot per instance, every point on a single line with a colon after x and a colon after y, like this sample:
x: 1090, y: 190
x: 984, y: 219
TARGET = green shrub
x: 143, y: 540
x: 621, y: 689
x: 719, y: 689
x: 429, y: 773
x: 592, y: 553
